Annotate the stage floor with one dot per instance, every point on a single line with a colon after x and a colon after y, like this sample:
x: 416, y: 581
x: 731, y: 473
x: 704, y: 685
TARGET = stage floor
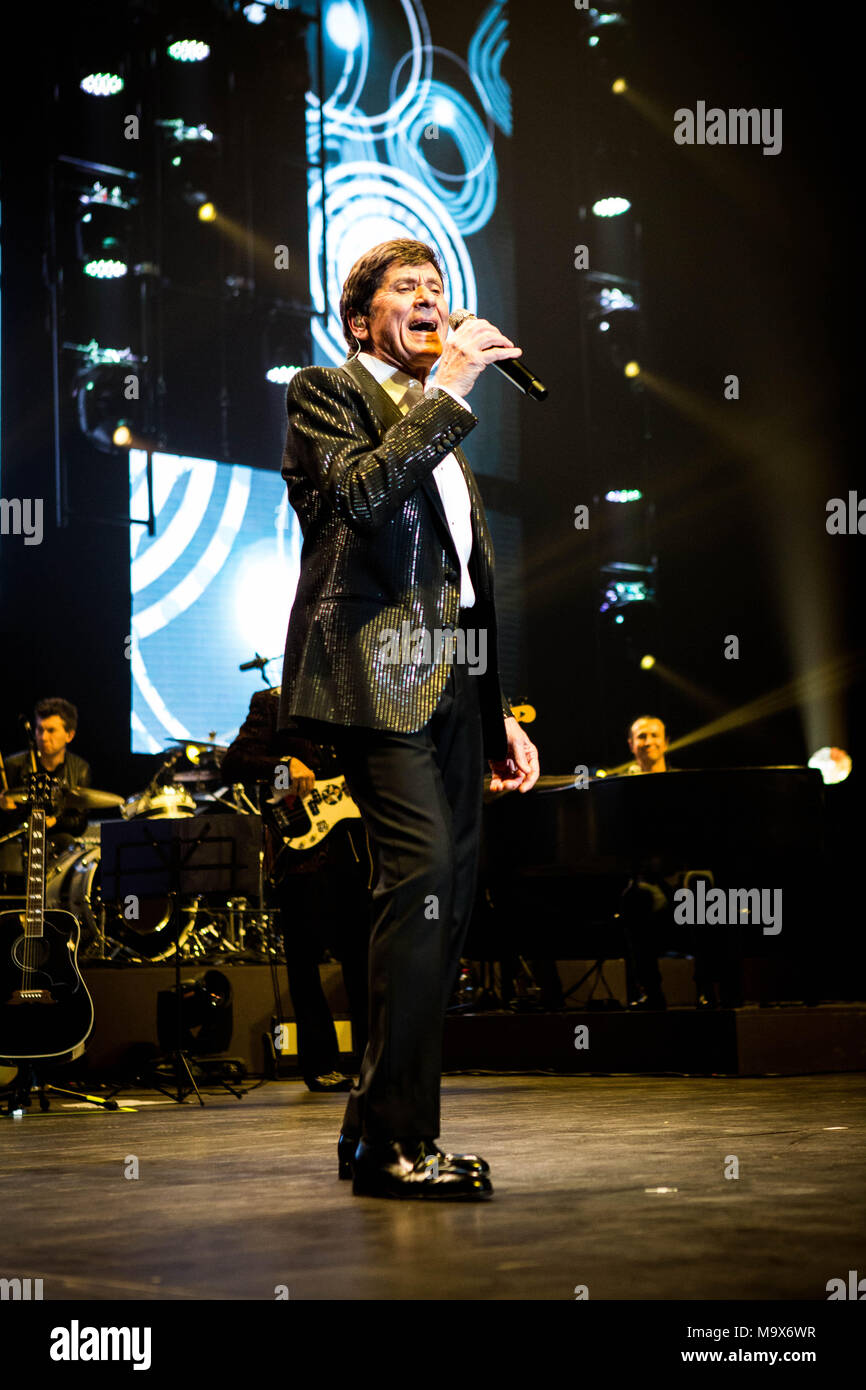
x: 241, y: 1197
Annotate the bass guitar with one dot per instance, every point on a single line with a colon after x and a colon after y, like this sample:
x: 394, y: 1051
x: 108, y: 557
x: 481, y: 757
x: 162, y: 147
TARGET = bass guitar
x: 45, y: 1008
x: 303, y: 822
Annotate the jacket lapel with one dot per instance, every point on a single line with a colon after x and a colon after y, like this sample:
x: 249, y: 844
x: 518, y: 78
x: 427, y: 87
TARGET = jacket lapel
x: 388, y: 414
x: 380, y: 402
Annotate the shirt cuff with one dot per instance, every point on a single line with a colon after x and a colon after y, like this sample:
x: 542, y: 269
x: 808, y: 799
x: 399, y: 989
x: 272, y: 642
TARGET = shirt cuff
x: 453, y: 394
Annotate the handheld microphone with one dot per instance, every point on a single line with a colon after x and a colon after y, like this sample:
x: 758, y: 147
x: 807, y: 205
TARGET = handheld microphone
x: 513, y: 368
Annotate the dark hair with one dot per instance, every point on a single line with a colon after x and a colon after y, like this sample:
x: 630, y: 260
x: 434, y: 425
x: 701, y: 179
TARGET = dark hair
x: 367, y: 274
x: 639, y: 717
x: 46, y: 709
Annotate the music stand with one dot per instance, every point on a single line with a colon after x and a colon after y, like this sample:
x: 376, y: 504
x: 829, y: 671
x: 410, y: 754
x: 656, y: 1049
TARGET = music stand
x: 167, y: 861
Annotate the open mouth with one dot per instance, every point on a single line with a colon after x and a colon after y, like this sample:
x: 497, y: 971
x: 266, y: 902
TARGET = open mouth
x: 423, y: 326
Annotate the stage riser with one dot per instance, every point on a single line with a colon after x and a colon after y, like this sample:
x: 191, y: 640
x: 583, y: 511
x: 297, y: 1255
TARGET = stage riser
x: 742, y: 1042
x: 125, y: 1001
x: 750, y: 1041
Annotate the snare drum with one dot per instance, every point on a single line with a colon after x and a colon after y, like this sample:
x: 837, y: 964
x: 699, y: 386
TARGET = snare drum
x: 165, y: 803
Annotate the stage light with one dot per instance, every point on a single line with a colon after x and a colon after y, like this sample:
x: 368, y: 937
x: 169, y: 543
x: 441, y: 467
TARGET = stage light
x: 623, y: 494
x: 188, y: 50
x: 613, y: 299
x: 100, y: 233
x: 281, y: 376
x: 256, y: 14
x: 180, y: 131
x: 343, y: 26
x: 611, y: 207
x: 632, y: 369
x: 619, y: 332
x: 647, y: 663
x: 619, y: 618
x: 98, y: 356
x: 102, y: 406
x: 206, y: 1016
x: 619, y: 86
x: 834, y: 764
x: 101, y: 84
x: 625, y: 583
x: 207, y: 212
x: 599, y: 18
x: 622, y: 593
x: 105, y: 269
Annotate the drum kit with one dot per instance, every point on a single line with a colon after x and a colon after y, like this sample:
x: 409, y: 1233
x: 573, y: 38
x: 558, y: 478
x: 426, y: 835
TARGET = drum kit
x: 211, y: 926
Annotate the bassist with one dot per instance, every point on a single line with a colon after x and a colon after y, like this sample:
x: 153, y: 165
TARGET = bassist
x: 322, y: 893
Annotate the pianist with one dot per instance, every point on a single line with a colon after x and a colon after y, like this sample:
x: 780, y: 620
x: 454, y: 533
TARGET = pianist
x: 646, y: 908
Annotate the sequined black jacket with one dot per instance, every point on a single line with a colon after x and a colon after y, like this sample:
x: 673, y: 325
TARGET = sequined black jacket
x: 378, y: 554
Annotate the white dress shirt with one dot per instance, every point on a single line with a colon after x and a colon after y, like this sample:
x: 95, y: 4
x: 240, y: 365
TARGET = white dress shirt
x: 405, y: 392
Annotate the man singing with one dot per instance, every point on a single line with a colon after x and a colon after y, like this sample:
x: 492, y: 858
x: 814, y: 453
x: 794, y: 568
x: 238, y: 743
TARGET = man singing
x: 396, y: 546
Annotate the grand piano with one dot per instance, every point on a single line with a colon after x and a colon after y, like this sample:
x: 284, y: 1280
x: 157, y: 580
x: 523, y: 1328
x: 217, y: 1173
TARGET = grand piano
x: 556, y: 860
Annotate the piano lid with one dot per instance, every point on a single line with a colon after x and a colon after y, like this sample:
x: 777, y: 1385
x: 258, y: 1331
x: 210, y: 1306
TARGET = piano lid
x: 698, y: 818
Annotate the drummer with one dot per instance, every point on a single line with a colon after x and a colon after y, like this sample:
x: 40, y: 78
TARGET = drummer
x: 55, y: 722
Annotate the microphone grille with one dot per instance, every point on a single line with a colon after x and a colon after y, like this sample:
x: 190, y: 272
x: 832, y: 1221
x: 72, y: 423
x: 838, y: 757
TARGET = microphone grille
x: 458, y: 317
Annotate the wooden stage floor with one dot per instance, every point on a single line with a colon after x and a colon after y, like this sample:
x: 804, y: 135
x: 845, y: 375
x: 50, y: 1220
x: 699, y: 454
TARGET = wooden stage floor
x: 241, y: 1197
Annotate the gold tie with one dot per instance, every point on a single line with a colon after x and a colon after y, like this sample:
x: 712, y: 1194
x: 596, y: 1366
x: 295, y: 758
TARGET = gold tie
x: 411, y: 396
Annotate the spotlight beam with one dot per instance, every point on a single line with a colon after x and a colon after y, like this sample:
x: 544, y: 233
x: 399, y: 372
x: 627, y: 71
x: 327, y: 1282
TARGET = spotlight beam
x: 802, y: 690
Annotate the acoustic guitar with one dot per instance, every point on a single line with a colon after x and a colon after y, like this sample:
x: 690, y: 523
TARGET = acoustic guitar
x: 45, y: 1009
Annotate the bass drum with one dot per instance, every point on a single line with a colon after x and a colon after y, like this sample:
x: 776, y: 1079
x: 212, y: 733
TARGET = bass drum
x: 69, y: 884
x: 135, y: 928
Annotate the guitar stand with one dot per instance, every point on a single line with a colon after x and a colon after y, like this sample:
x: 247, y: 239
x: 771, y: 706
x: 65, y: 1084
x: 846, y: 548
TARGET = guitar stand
x: 19, y: 1095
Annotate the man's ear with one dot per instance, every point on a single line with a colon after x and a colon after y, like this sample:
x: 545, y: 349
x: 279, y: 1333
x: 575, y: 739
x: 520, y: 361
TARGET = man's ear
x: 356, y: 323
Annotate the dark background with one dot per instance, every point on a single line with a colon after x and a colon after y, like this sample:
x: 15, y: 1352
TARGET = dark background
x: 748, y: 265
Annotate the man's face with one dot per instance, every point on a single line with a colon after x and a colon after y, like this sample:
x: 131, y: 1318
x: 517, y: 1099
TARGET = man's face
x: 52, y: 735
x: 408, y: 320
x: 648, y: 741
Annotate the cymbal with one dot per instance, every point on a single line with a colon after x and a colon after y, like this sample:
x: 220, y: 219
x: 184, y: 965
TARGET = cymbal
x: 85, y: 796
x: 91, y: 798
x: 194, y: 743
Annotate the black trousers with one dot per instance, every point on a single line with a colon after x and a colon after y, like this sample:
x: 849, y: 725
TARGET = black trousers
x: 420, y: 799
x: 327, y: 908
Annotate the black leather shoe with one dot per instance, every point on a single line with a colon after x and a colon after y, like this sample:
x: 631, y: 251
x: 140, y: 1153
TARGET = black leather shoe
x: 646, y: 1002
x: 330, y: 1081
x: 470, y: 1163
x: 408, y: 1172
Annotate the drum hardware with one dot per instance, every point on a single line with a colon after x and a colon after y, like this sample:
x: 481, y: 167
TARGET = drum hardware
x: 12, y: 858
x: 236, y: 799
x: 159, y: 803
x: 199, y: 777
x: 244, y: 930
x: 160, y: 787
